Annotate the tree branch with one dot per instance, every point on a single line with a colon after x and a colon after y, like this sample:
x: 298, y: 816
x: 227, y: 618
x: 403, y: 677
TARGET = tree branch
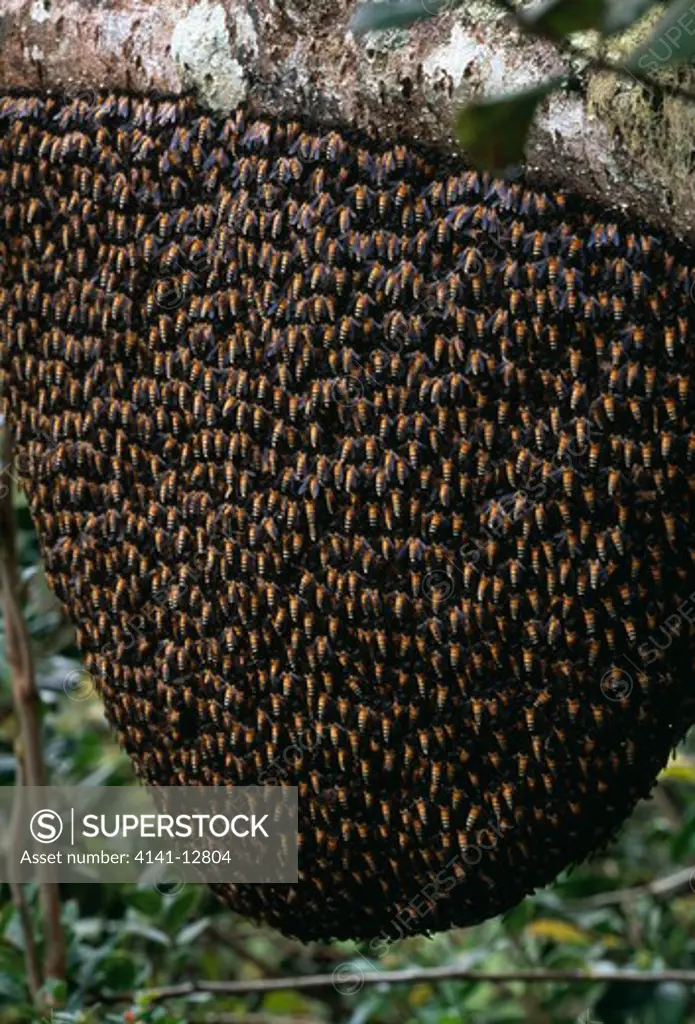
x: 410, y: 976
x: 410, y: 86
x: 681, y: 879
x: 27, y: 704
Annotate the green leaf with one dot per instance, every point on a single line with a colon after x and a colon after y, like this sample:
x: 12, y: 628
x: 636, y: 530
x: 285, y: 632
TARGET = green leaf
x: 373, y: 17
x: 680, y: 770
x: 683, y: 842
x: 671, y: 43
x: 118, y: 972
x: 493, y: 132
x: 621, y: 14
x: 144, y: 931
x: 54, y: 992
x: 159, y: 1015
x: 182, y: 907
x: 671, y: 1000
x: 285, y: 1003
x: 12, y: 989
x: 560, y: 18
x: 11, y: 959
x: 558, y: 931
x: 7, y: 914
x: 147, y: 900
x: 191, y: 932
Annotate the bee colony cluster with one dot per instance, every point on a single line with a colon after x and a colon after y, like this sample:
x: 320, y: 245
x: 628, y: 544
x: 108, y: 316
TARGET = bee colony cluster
x: 360, y: 474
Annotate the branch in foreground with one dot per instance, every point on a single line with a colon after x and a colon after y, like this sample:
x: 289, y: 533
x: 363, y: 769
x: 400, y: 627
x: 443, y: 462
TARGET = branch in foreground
x: 593, y: 63
x: 357, y: 978
x: 27, y: 706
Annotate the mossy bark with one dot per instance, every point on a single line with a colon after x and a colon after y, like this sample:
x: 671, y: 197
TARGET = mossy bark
x: 297, y: 57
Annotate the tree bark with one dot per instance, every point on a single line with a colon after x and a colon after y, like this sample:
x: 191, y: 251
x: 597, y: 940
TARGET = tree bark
x: 297, y: 57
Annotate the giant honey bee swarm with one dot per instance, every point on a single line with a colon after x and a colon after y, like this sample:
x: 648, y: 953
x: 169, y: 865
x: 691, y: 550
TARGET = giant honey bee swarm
x: 334, y: 452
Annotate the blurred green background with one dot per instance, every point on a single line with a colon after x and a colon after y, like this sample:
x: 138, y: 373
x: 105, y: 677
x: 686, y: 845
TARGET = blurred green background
x: 126, y: 939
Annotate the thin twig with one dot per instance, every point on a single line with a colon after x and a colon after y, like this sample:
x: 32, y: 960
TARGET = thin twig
x: 681, y: 879
x: 26, y: 701
x: 410, y: 976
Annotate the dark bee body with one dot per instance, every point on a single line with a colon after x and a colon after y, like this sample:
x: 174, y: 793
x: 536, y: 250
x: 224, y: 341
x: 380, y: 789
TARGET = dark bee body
x: 354, y: 468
